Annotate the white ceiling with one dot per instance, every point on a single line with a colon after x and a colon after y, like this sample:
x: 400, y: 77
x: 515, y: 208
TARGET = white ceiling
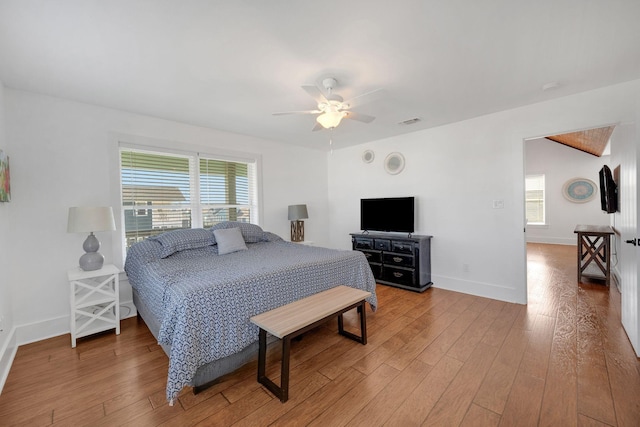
x: 230, y: 64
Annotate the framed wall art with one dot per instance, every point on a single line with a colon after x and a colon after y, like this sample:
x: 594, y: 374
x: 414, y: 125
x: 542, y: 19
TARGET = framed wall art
x: 579, y: 190
x: 5, y: 178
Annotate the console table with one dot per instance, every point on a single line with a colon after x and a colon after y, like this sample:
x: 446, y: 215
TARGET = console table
x: 594, y: 252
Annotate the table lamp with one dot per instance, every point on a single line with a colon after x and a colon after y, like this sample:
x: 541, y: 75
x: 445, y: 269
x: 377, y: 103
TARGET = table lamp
x: 89, y: 219
x: 296, y: 214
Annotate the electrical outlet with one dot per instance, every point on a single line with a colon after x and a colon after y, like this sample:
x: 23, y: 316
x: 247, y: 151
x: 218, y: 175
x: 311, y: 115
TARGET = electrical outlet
x: 498, y: 204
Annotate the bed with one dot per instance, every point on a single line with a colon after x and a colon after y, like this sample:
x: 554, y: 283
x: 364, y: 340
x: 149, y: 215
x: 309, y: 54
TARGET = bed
x: 196, y: 290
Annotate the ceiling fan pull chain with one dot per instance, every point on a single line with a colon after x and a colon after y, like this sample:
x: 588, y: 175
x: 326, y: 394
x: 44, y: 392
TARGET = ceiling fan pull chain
x: 331, y: 141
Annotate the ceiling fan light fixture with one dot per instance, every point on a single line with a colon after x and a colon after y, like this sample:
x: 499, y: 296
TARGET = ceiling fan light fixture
x: 330, y: 119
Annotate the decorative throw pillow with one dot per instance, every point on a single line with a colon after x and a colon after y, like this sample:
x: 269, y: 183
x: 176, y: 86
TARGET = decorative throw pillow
x: 271, y: 237
x: 251, y: 233
x: 229, y: 240
x: 179, y: 240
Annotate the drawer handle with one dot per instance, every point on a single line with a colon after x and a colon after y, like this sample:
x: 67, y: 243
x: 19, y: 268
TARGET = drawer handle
x: 398, y: 275
x: 367, y: 255
x: 397, y: 259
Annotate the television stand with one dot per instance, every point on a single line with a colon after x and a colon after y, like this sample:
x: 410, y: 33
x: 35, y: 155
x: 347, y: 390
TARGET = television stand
x: 396, y: 260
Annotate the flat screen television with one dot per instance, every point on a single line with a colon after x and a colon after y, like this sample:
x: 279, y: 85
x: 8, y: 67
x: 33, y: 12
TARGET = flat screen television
x: 392, y: 214
x: 608, y: 191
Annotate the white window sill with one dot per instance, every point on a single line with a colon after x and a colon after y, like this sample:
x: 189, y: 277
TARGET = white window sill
x: 538, y: 226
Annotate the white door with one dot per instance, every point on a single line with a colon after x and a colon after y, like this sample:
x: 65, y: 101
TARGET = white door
x: 625, y: 153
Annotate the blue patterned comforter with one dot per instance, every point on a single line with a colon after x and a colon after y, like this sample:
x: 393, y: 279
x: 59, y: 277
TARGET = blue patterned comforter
x: 204, y: 300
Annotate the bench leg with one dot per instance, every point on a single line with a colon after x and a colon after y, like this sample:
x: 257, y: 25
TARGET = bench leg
x: 363, y: 325
x: 284, y: 370
x: 281, y: 392
x: 262, y: 355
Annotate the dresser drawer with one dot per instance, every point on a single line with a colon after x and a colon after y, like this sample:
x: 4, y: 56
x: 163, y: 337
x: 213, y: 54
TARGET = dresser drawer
x: 372, y: 256
x: 362, y: 243
x: 382, y: 244
x: 403, y: 247
x: 401, y: 276
x: 394, y: 259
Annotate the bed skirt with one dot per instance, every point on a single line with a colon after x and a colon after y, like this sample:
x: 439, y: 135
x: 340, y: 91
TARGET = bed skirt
x: 207, y: 374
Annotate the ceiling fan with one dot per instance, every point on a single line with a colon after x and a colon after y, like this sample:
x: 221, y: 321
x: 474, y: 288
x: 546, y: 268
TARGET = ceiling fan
x: 331, y: 107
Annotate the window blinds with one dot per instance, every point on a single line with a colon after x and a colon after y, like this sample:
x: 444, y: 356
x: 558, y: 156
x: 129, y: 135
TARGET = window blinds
x: 226, y: 191
x: 166, y: 191
x: 535, y: 199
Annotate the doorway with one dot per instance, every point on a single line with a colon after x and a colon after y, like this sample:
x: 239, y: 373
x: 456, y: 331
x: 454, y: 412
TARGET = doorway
x: 560, y: 165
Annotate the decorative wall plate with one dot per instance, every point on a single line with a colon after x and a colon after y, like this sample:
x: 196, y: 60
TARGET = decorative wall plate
x: 579, y: 190
x: 394, y: 163
x: 368, y: 156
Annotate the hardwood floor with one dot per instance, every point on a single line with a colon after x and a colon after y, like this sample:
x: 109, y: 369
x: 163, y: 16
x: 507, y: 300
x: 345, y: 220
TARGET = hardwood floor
x: 437, y: 358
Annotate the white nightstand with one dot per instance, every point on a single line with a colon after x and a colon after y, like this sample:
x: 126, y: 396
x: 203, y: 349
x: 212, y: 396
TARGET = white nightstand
x: 95, y: 301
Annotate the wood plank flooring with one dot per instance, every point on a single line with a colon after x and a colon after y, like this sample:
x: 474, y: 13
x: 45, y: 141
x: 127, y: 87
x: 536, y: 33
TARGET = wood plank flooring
x: 438, y: 358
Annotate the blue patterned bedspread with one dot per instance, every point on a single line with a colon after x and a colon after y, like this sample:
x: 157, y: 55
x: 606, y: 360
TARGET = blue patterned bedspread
x: 204, y: 300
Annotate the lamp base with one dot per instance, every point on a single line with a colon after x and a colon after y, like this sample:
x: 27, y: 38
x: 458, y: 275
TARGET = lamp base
x: 297, y: 231
x: 91, y: 261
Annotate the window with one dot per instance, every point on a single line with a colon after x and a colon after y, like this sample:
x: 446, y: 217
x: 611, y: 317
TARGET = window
x: 163, y: 191
x: 535, y: 199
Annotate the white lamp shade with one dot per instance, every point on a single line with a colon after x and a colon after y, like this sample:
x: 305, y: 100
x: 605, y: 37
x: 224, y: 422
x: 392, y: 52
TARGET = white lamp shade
x: 90, y: 218
x: 297, y: 212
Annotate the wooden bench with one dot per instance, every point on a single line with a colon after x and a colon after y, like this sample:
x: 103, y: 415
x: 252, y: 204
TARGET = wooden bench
x: 298, y: 317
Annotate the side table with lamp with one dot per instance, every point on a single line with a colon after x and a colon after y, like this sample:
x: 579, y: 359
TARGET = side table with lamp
x: 94, y: 287
x: 296, y: 213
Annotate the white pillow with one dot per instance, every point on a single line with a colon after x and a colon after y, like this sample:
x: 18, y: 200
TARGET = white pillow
x: 229, y: 240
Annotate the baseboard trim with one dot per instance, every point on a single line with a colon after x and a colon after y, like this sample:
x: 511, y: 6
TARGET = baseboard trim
x: 486, y: 290
x: 7, y: 354
x: 45, y: 329
x: 42, y: 330
x: 552, y: 240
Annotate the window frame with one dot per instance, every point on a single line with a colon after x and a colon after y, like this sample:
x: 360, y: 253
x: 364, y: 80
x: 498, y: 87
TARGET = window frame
x: 196, y: 152
x: 544, y: 222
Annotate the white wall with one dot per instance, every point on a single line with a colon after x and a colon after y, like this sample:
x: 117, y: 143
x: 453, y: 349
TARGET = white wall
x: 559, y: 164
x: 62, y: 156
x: 456, y: 172
x: 7, y: 335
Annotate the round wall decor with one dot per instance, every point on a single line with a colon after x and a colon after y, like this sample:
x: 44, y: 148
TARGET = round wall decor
x: 394, y: 163
x: 368, y: 156
x: 579, y: 190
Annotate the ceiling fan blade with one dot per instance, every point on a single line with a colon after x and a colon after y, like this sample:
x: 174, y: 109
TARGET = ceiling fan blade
x: 317, y: 127
x: 359, y: 117
x: 282, y: 113
x: 315, y: 93
x: 365, y: 98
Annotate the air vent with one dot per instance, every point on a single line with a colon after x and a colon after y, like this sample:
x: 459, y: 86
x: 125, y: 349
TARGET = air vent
x: 410, y: 121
